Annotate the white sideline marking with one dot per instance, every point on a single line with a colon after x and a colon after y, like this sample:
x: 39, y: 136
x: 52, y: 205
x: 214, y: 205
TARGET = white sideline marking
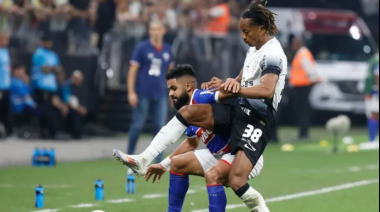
x: 120, y: 201
x: 192, y: 191
x: 154, y: 196
x: 83, y: 205
x: 373, y: 167
x: 47, y: 210
x: 355, y: 169
x: 308, y: 193
x: 6, y: 186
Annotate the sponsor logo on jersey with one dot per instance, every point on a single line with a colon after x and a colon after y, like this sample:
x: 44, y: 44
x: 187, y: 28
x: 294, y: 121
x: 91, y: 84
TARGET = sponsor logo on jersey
x: 166, y: 56
x: 205, y: 135
x: 246, y: 110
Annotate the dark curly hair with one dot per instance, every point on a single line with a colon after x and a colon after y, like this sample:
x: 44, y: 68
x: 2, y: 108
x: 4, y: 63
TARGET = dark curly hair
x: 261, y: 16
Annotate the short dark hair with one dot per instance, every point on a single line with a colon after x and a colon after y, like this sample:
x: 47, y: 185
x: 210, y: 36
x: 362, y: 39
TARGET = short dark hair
x: 181, y: 71
x: 46, y: 37
x: 259, y: 15
x: 17, y: 65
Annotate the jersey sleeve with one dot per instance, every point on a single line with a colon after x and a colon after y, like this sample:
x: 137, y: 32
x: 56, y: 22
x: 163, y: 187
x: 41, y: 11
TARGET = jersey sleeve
x: 137, y: 56
x: 205, y: 97
x: 190, y: 133
x: 271, y: 64
x: 37, y: 60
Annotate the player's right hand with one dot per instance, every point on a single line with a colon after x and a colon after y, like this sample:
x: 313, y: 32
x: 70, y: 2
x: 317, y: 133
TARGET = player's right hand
x: 133, y: 99
x: 156, y: 170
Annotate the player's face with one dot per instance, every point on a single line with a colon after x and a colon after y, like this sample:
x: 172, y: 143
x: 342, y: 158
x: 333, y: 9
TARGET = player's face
x: 156, y: 31
x: 178, y: 93
x: 250, y: 33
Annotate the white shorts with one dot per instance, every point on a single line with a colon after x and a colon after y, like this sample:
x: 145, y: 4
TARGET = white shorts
x: 208, y: 160
x: 372, y: 105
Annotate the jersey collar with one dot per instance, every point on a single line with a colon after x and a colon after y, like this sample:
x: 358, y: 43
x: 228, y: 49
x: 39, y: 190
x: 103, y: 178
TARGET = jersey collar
x: 192, y: 97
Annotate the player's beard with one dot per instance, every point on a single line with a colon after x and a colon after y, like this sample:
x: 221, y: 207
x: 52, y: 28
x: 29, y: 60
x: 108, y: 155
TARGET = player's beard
x: 182, y: 100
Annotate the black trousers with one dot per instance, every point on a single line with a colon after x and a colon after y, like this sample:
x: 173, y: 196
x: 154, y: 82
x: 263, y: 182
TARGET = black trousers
x: 5, y: 111
x: 49, y: 115
x: 75, y: 122
x: 302, y: 109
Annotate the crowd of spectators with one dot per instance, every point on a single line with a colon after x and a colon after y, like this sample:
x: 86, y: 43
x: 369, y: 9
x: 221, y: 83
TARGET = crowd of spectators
x: 79, y: 26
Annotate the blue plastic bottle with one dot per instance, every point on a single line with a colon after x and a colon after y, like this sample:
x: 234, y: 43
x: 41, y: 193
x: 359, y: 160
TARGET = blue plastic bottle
x: 36, y: 154
x: 99, y: 190
x: 131, y: 186
x: 45, y: 157
x: 52, y: 160
x: 40, y: 196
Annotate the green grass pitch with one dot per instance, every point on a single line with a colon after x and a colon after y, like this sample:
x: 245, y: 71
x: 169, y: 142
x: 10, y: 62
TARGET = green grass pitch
x: 308, y: 168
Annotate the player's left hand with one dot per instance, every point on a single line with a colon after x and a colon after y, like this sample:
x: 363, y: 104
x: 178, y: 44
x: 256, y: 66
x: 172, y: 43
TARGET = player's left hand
x: 231, y: 86
x: 156, y: 170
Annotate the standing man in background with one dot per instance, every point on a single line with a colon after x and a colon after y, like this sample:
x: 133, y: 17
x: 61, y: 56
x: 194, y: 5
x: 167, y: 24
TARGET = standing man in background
x: 147, y: 92
x: 303, y: 76
x: 372, y: 98
x: 45, y: 86
x: 5, y: 84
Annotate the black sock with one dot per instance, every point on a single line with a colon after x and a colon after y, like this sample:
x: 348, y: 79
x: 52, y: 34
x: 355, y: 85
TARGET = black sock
x: 241, y: 191
x: 182, y: 120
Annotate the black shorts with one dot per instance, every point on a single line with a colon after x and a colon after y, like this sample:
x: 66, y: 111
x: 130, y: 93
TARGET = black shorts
x: 249, y: 131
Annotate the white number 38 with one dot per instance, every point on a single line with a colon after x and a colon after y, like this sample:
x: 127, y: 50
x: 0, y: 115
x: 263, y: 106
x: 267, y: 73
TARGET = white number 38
x: 253, y: 134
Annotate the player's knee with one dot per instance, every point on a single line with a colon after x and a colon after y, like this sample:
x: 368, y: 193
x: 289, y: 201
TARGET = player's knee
x: 236, y: 181
x: 213, y: 177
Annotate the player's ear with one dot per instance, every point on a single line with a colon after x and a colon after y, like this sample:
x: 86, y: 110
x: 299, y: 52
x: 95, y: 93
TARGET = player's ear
x: 188, y: 87
x: 262, y: 30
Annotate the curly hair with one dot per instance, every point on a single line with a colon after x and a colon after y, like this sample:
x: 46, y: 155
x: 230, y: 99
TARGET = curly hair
x: 259, y: 15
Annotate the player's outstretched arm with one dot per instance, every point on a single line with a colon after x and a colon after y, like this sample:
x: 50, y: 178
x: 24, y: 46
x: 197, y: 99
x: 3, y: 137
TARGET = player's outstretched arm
x: 264, y: 90
x: 158, y: 170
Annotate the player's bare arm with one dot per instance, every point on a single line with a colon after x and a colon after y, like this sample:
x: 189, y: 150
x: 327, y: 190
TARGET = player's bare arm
x: 158, y: 170
x: 264, y: 90
x: 133, y: 98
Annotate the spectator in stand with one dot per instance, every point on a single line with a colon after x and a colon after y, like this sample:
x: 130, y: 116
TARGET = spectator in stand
x: 107, y: 14
x: 44, y: 82
x: 160, y: 10
x: 219, y: 21
x: 79, y: 26
x: 59, y: 24
x: 77, y: 112
x: 5, y: 84
x: 23, y: 105
x: 43, y: 11
x: 129, y: 19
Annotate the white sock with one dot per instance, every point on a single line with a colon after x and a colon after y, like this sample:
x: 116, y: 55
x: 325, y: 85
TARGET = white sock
x: 167, y: 136
x: 254, y: 201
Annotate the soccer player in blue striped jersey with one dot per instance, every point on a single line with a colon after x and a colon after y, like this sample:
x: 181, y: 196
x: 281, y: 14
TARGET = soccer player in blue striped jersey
x: 212, y: 163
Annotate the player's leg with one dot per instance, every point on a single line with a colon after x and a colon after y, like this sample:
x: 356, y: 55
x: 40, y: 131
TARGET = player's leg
x: 181, y: 167
x: 139, y: 116
x: 372, y: 107
x: 199, y: 115
x: 241, y: 171
x: 249, y: 138
x: 159, y: 110
x: 216, y: 178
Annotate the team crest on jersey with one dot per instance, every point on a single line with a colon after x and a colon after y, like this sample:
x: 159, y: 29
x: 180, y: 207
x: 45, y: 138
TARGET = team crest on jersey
x: 150, y: 56
x: 166, y: 56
